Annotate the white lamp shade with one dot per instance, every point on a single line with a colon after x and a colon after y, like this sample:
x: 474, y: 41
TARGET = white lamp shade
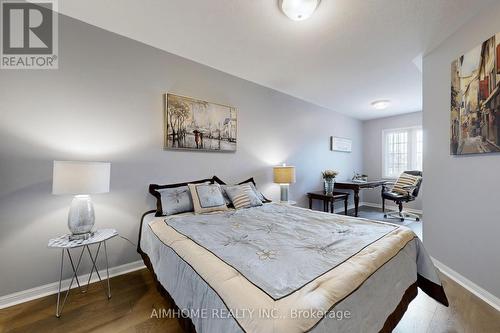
x: 71, y: 177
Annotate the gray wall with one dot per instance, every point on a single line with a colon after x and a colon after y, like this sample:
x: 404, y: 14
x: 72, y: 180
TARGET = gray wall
x: 372, y: 152
x: 462, y: 211
x: 105, y: 104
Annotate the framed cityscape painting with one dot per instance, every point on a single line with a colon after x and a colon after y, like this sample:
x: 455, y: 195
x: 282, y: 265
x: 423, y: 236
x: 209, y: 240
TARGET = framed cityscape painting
x: 475, y: 100
x: 192, y: 124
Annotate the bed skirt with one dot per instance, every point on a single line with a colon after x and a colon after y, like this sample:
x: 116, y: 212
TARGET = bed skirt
x: 184, y: 322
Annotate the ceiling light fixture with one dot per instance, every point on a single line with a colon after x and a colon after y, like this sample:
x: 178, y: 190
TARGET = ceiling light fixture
x: 298, y: 10
x: 381, y: 104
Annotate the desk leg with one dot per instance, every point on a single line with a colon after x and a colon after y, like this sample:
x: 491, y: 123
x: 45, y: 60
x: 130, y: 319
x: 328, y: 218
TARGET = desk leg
x: 310, y: 203
x: 356, y: 202
x: 345, y: 205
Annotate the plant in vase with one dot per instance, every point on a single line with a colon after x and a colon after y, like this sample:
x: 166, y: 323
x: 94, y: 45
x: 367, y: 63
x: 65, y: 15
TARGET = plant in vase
x: 329, y: 180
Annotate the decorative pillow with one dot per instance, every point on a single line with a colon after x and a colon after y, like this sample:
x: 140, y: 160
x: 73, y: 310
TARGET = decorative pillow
x: 248, y: 181
x: 174, y: 198
x: 207, y: 198
x: 259, y: 195
x: 224, y: 194
x: 403, y: 181
x: 243, y: 196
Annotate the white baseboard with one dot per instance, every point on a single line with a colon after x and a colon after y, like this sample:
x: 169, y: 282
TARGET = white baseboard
x: 51, y: 288
x: 468, y: 284
x: 389, y: 207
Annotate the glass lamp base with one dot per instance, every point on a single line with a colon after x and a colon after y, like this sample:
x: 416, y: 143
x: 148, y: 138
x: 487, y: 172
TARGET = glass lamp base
x: 81, y: 236
x: 284, y: 192
x: 81, y: 216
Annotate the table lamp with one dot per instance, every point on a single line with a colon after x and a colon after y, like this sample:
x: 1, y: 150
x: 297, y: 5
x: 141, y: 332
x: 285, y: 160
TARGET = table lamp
x: 284, y: 175
x: 81, y: 179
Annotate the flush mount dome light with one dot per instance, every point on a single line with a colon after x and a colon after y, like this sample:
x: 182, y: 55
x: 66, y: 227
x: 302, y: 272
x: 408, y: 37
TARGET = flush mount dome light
x: 381, y: 105
x: 298, y: 10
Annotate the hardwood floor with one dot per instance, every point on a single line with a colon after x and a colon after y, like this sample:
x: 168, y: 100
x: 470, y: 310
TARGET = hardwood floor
x: 135, y: 297
x: 466, y: 313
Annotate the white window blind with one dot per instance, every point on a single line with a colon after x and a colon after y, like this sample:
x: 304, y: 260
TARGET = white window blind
x: 402, y: 150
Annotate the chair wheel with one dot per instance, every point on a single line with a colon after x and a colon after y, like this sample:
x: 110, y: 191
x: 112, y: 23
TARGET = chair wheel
x: 417, y: 219
x: 402, y: 219
x: 385, y: 216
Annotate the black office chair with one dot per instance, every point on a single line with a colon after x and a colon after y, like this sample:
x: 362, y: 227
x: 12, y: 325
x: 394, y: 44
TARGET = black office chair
x: 411, y: 193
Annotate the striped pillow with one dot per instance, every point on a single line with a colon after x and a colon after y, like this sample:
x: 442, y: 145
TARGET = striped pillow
x: 403, y: 181
x: 241, y: 201
x: 243, y: 196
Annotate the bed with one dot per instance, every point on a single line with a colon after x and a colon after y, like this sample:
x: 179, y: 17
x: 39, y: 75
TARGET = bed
x: 279, y: 268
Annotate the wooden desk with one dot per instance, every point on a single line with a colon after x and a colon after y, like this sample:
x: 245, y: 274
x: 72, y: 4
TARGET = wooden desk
x: 328, y: 199
x: 355, y: 186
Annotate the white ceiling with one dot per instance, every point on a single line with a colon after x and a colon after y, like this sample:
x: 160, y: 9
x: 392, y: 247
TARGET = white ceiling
x: 349, y: 53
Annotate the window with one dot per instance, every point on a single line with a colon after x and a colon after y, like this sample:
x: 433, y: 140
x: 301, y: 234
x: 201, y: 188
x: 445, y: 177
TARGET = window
x: 402, y: 150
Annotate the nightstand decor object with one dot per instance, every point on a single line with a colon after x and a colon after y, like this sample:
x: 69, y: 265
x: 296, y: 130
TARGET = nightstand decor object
x: 329, y: 180
x: 99, y: 238
x: 81, y: 179
x: 284, y: 175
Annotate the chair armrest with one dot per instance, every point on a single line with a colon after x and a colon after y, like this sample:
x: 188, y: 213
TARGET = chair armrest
x: 388, y: 185
x: 409, y: 188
